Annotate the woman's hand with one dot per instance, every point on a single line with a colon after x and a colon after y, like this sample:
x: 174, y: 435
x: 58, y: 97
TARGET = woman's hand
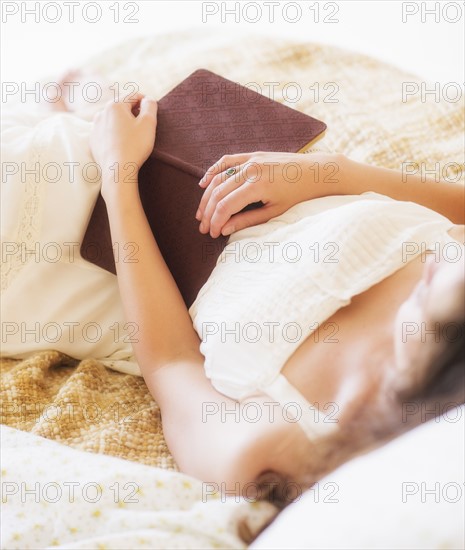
x: 122, y: 139
x: 279, y: 180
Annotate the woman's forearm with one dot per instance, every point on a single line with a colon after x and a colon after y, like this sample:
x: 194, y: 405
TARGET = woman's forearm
x: 444, y: 197
x: 148, y: 291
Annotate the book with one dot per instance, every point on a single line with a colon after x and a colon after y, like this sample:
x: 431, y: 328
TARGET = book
x: 203, y: 118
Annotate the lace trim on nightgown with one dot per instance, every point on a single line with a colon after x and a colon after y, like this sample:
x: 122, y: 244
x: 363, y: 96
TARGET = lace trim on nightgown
x: 28, y: 229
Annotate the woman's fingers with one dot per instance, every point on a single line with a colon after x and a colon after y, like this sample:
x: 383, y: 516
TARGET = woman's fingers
x: 219, y: 187
x: 225, y: 162
x: 231, y: 204
x: 250, y: 218
x: 130, y: 104
x: 132, y: 99
x: 125, y: 131
x: 148, y: 107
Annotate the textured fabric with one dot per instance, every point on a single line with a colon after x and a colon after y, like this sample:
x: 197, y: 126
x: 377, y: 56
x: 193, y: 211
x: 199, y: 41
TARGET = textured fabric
x: 84, y: 405
x: 360, y: 98
x: 55, y: 496
x: 275, y: 283
x: 366, y: 120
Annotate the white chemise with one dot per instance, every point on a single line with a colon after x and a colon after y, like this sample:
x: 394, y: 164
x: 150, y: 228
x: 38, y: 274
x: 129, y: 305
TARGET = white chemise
x: 276, y: 283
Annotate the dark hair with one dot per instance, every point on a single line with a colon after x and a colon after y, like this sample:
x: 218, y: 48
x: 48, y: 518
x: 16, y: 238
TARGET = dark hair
x: 447, y: 378
x: 272, y: 489
x: 443, y: 382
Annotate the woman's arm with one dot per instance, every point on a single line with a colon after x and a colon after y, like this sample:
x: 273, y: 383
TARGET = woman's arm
x: 214, y: 450
x: 274, y: 179
x: 148, y: 291
x: 444, y: 197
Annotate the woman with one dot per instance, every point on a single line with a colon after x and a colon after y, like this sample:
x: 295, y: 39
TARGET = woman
x: 372, y: 362
x: 374, y: 371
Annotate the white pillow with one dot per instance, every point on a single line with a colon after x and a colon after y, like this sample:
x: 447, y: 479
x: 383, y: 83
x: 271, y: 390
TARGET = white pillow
x: 51, y: 297
x: 407, y: 494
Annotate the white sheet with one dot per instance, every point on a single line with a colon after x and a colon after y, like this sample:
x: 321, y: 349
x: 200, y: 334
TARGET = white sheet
x: 56, y: 496
x: 409, y: 494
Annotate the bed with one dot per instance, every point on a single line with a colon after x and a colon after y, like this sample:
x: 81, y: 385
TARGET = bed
x: 78, y: 424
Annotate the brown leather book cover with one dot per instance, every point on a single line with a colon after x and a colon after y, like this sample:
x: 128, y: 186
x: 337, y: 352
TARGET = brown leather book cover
x: 203, y: 118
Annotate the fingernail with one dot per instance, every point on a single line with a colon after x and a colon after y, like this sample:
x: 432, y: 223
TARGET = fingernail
x: 198, y: 214
x: 228, y: 230
x: 202, y: 227
x: 201, y: 181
